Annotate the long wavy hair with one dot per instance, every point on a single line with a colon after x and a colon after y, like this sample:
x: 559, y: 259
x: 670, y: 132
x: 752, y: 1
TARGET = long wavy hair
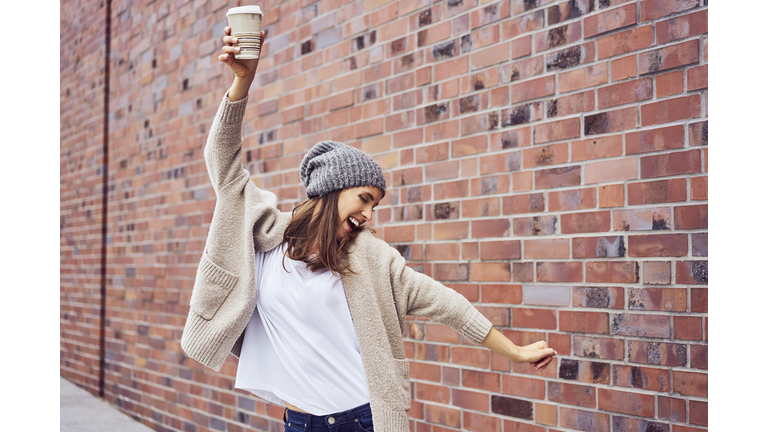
x: 312, y: 235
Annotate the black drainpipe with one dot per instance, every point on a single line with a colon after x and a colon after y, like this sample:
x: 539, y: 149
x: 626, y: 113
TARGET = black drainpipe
x: 105, y: 190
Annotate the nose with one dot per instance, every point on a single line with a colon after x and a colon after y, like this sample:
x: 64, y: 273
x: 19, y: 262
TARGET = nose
x: 367, y: 214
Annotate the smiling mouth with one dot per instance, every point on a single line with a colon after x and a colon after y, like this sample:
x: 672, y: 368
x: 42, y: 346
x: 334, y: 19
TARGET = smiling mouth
x: 352, y: 224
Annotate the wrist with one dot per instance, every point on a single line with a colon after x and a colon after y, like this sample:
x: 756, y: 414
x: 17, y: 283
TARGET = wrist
x: 513, y: 353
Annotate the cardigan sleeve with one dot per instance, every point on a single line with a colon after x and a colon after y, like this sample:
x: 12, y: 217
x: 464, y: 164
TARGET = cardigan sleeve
x: 426, y: 297
x: 224, y: 147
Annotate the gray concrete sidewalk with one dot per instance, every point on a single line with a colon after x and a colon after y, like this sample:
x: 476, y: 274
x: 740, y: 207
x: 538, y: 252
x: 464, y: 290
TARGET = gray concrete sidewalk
x: 83, y: 412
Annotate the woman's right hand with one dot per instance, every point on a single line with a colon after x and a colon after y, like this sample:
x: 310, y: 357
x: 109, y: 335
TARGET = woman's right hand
x: 241, y: 68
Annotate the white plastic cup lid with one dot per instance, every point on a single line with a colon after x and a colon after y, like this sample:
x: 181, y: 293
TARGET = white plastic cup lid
x: 244, y: 9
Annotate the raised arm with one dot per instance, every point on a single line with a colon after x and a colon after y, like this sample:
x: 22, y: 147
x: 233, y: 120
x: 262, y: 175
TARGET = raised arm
x: 223, y: 149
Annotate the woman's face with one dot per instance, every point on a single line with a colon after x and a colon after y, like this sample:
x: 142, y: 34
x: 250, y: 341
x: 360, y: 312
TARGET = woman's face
x: 356, y: 206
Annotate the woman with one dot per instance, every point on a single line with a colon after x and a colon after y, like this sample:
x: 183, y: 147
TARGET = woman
x: 310, y: 301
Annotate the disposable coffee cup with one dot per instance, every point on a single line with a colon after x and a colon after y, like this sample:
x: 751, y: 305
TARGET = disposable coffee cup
x: 245, y: 22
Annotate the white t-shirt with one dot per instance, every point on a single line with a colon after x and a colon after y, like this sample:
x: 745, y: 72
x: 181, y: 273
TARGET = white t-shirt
x: 300, y: 344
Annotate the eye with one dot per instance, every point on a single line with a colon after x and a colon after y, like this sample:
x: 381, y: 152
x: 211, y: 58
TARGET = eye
x: 365, y: 201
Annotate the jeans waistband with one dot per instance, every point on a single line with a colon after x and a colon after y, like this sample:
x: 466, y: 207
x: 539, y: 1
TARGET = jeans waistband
x: 338, y: 418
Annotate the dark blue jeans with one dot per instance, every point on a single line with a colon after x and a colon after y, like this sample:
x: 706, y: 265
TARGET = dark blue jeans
x: 355, y: 420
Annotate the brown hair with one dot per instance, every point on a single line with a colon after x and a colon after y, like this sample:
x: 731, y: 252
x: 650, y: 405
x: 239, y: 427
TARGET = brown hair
x: 314, y: 240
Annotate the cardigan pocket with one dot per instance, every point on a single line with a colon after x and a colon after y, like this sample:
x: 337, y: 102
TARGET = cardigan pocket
x: 212, y: 286
x: 403, y: 367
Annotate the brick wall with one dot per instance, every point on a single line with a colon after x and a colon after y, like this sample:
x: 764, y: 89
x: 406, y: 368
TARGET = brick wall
x: 547, y: 159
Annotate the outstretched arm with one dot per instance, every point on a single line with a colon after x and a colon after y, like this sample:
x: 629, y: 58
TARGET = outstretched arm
x: 538, y: 354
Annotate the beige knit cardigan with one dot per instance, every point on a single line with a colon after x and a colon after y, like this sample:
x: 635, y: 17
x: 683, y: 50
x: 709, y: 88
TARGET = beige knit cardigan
x: 381, y: 291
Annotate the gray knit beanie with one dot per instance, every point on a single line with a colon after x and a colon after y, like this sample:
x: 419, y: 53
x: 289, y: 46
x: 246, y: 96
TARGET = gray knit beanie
x: 331, y: 166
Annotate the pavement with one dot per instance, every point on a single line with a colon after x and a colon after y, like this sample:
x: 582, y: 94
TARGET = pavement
x: 84, y: 412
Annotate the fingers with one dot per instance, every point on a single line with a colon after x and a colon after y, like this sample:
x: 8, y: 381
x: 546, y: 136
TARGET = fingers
x: 543, y: 363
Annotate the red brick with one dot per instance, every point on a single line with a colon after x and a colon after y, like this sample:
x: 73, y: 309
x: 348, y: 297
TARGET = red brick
x: 425, y: 371
x: 545, y: 155
x: 690, y: 383
x: 658, y: 245
x: 657, y: 272
x: 442, y: 415
x: 523, y: 181
x: 671, y: 110
x: 523, y: 386
x: 641, y: 325
x: 699, y: 356
x: 610, y: 170
x: 491, y: 228
x: 669, y: 83
x: 470, y: 400
x: 599, y: 247
x: 475, y: 357
x: 532, y: 89
x: 442, y: 252
x: 665, y: 138
x: 698, y: 134
x: 498, y: 184
x: 501, y: 293
x: 596, y: 148
x: 669, y: 164
x: 697, y: 78
x: 624, y: 42
x: 451, y: 230
x: 557, y: 130
x: 558, y: 177
x: 653, y: 9
x: 657, y: 353
x: 610, y: 20
x: 448, y: 272
x: 610, y: 121
x: 448, y: 190
x: 572, y: 394
x: 688, y: 328
x: 585, y: 77
x: 642, y: 378
x: 611, y: 196
x: 576, y: 199
x: 559, y: 272
x: 522, y: 272
x: 691, y: 217
x: 626, y: 402
x: 554, y: 37
x: 488, y: 381
x: 516, y: 204
x: 669, y: 57
x: 571, y: 104
x: 623, y: 68
x: 434, y: 393
x: 534, y: 226
x: 625, y: 92
x: 584, y: 420
x: 699, y: 300
x: 587, y: 222
x: 497, y: 250
x: 657, y: 299
x: 672, y: 409
x: 598, y: 348
x: 660, y: 191
x: 612, y: 272
x: 584, y: 322
x: 547, y: 249
x: 699, y: 415
x: 681, y: 27
x: 534, y: 318
x: 490, y: 271
x: 489, y: 56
